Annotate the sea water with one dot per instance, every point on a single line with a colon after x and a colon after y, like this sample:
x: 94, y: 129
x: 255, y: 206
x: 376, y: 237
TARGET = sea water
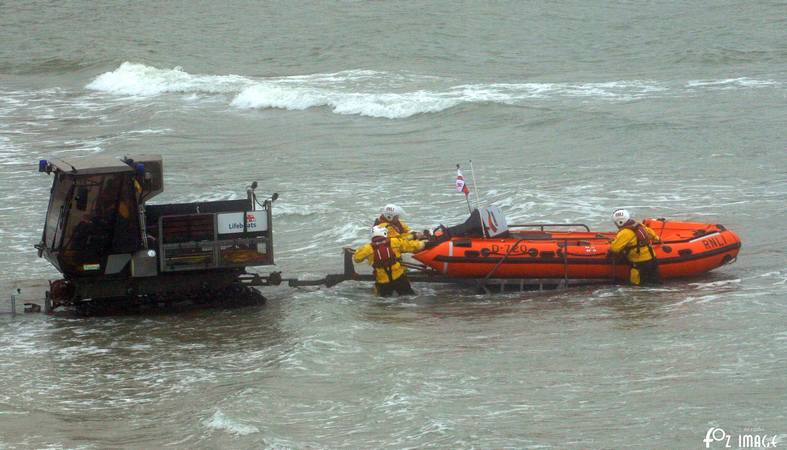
x: 568, y: 110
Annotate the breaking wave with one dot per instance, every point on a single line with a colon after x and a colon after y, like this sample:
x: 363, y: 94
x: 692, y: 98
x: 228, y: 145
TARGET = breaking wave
x: 382, y: 94
x: 142, y: 80
x: 387, y: 105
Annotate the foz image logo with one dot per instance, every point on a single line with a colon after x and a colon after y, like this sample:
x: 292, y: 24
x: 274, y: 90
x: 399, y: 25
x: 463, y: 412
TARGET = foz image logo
x: 716, y: 434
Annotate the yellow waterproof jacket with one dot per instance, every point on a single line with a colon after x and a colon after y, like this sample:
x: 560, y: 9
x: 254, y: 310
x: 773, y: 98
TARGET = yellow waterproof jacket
x: 626, y: 242
x: 393, y: 232
x: 124, y: 210
x: 399, y: 246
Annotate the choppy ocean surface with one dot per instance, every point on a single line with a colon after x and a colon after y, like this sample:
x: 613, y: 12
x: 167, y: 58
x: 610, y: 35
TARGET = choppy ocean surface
x: 568, y: 111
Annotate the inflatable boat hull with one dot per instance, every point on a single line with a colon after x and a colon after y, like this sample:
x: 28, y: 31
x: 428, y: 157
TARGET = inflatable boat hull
x: 687, y: 249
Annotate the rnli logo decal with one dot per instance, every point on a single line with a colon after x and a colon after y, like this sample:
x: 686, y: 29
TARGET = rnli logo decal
x: 251, y: 221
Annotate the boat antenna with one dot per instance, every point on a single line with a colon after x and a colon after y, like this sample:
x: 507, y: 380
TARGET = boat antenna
x: 477, y: 199
x: 475, y: 186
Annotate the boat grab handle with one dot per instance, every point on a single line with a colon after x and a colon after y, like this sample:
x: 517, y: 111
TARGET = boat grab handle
x: 541, y: 226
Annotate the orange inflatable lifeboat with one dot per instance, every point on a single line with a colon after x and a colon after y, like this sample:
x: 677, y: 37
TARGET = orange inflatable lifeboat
x: 536, y: 252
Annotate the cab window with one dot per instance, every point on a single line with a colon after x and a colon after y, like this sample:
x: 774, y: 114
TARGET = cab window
x: 53, y: 227
x: 91, y: 213
x: 127, y: 236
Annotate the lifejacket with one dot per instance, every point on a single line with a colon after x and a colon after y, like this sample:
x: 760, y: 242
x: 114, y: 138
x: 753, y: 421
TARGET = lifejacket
x: 394, y: 223
x: 384, y: 255
x: 643, y: 238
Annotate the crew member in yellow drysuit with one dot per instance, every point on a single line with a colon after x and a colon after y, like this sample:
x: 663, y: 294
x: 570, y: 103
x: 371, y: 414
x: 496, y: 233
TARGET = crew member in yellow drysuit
x: 390, y: 218
x: 635, y: 241
x: 384, y: 254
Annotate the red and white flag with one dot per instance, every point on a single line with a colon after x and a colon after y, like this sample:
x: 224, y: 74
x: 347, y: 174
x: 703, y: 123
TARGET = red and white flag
x: 460, y: 183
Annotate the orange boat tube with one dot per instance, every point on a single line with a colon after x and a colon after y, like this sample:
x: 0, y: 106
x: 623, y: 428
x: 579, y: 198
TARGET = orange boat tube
x: 687, y: 249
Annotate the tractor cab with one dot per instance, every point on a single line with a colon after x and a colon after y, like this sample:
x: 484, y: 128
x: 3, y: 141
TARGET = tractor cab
x: 94, y: 211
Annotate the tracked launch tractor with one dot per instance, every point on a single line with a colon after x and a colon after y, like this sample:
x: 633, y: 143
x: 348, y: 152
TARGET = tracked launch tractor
x: 116, y: 250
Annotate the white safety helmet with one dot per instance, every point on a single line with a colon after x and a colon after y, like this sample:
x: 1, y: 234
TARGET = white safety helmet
x: 391, y: 211
x: 620, y: 217
x: 378, y: 231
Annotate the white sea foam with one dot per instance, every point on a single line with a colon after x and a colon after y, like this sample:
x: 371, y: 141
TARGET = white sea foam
x: 732, y: 83
x: 221, y: 422
x: 345, y: 233
x: 142, y: 80
x: 380, y: 94
x: 386, y: 105
x: 9, y: 153
x: 701, y: 299
x: 510, y: 93
x: 306, y: 209
x: 150, y: 131
x: 716, y: 284
x: 394, y: 105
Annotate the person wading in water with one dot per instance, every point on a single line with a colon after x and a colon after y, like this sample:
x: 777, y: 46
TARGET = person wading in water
x: 384, y: 253
x: 635, y: 242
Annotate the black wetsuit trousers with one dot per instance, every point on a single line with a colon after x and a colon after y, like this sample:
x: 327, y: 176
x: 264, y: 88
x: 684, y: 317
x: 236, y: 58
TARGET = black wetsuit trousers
x: 648, y: 272
x: 400, y: 285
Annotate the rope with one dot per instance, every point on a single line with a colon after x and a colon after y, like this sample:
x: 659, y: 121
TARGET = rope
x: 510, y: 249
